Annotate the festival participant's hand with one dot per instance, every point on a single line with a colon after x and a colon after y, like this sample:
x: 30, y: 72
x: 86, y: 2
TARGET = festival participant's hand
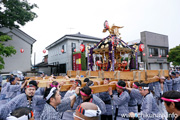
x: 110, y: 90
x: 113, y: 82
x: 132, y: 115
x: 77, y: 90
x: 25, y: 82
x: 128, y: 84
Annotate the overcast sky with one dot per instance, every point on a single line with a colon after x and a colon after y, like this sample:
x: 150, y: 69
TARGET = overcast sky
x: 56, y: 17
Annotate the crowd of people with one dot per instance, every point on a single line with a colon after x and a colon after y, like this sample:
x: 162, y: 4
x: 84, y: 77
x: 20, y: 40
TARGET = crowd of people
x: 138, y: 101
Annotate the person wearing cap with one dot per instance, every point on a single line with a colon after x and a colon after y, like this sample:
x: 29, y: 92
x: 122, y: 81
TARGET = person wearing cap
x: 27, y: 99
x: 54, y: 105
x: 120, y: 101
x: 22, y: 113
x: 149, y: 108
x: 176, y: 81
x: 172, y: 103
x: 87, y: 111
x: 106, y: 98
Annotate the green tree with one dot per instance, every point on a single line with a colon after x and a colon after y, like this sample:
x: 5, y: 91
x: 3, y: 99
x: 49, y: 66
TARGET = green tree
x: 13, y: 13
x: 174, y: 56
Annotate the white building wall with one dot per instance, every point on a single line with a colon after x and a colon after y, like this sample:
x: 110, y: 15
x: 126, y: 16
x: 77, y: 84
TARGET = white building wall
x: 19, y: 61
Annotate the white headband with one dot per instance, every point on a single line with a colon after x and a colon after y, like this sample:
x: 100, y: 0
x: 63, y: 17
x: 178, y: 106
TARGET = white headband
x: 92, y: 113
x: 24, y: 117
x: 145, y: 88
x: 89, y: 113
x: 50, y: 94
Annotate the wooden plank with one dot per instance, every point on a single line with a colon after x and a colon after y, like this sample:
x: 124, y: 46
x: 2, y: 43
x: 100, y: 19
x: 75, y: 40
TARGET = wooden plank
x: 108, y: 74
x: 69, y: 73
x: 140, y: 76
x: 164, y: 73
x: 152, y: 73
x: 73, y: 74
x: 102, y: 88
x: 126, y: 75
x: 65, y: 87
x: 94, y: 73
x: 82, y: 73
x: 59, y: 77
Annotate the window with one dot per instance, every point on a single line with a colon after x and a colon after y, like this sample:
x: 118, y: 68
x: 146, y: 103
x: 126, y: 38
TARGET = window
x: 153, y: 51
x: 64, y: 48
x: 163, y: 52
x: 73, y: 46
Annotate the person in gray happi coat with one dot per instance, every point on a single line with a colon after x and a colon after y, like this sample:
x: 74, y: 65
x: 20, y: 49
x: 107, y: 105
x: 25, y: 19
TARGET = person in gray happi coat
x: 160, y: 88
x: 54, y: 107
x: 120, y: 101
x: 105, y: 97
x: 176, y: 81
x: 134, y: 93
x: 11, y: 89
x: 26, y: 99
x: 169, y: 83
x: 149, y: 108
x: 85, y: 95
x: 133, y: 102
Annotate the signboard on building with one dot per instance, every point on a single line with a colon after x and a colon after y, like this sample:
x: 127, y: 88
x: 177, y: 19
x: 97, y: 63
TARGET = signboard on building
x: 77, y: 61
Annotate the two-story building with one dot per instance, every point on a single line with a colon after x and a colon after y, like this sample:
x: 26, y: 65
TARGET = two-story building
x: 59, y: 61
x: 21, y: 60
x: 156, y: 47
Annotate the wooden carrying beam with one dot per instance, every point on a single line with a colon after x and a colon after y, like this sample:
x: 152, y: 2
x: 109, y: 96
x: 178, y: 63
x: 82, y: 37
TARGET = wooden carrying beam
x: 102, y: 88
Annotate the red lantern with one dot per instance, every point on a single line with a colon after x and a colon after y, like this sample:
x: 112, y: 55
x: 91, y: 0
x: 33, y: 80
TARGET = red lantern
x: 98, y: 63
x: 22, y: 50
x: 74, y: 50
x: 167, y: 56
x: 62, y: 50
x: 159, y: 55
x: 44, y: 51
x: 106, y: 25
x: 124, y: 63
x: 82, y: 48
x: 141, y: 47
x: 150, y: 55
x: 144, y: 54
